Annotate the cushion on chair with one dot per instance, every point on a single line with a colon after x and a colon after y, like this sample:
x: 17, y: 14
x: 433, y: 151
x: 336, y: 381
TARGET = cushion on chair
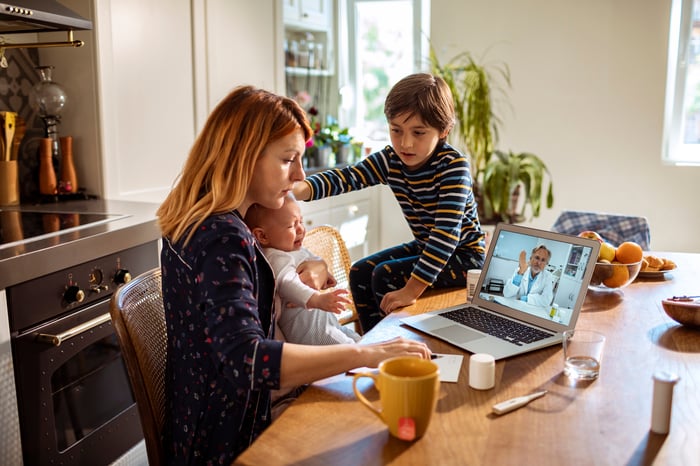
x: 613, y: 228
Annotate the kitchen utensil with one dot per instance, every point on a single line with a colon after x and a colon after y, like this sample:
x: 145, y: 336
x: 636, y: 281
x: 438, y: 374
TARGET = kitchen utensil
x: 8, y: 133
x: 20, y: 129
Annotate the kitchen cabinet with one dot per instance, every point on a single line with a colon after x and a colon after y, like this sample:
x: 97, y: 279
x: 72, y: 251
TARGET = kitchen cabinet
x: 309, y: 55
x: 354, y: 214
x: 309, y: 14
x: 142, y: 86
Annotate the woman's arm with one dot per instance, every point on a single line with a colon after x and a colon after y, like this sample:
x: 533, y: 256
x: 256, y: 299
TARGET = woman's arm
x: 303, y: 364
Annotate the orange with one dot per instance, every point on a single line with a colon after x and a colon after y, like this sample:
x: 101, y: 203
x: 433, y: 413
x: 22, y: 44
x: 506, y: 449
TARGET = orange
x: 619, y: 276
x: 629, y: 252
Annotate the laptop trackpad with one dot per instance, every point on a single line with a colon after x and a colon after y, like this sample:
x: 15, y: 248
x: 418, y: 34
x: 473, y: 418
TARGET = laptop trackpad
x: 457, y: 333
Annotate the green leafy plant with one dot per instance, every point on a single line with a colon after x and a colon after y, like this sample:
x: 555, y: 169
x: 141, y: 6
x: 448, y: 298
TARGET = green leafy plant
x: 512, y: 183
x: 473, y: 86
x: 499, y: 178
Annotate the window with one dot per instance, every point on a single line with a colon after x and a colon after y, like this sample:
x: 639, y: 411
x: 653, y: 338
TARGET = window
x: 379, y: 52
x: 682, y: 113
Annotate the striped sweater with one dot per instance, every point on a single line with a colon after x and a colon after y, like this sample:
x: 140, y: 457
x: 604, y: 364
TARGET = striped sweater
x: 436, y: 199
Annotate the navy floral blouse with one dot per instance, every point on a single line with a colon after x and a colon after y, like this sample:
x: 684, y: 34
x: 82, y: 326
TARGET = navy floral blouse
x: 222, y: 358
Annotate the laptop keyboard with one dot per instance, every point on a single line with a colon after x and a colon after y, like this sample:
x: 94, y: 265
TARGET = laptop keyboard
x: 495, y: 325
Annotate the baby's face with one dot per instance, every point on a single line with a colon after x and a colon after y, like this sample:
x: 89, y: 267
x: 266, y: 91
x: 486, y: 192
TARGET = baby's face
x: 284, y: 228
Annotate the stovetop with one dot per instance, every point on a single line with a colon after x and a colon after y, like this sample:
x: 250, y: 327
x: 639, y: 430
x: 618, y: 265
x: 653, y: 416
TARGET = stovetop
x: 22, y: 225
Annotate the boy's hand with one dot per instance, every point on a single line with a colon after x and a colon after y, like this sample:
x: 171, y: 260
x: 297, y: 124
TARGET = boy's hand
x: 332, y: 301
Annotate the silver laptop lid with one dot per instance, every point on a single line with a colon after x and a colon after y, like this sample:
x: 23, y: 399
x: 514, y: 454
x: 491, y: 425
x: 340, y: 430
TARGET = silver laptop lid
x: 568, y: 272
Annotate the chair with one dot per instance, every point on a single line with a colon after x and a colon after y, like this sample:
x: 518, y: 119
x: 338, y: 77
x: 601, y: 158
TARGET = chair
x: 613, y: 228
x: 325, y: 241
x: 139, y: 321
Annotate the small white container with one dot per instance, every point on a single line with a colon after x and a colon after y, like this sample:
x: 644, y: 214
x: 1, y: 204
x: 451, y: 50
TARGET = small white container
x: 482, y: 371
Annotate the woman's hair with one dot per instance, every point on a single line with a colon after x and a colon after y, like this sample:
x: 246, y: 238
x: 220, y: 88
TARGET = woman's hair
x: 424, y: 95
x: 220, y: 165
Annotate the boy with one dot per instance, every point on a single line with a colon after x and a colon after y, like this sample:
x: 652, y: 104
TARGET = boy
x: 432, y: 184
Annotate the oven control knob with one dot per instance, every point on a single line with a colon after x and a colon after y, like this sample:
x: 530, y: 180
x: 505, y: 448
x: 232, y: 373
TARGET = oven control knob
x: 122, y: 276
x: 73, y: 294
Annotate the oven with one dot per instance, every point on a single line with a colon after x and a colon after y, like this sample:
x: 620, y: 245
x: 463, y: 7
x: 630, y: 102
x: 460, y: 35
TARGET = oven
x: 74, y: 399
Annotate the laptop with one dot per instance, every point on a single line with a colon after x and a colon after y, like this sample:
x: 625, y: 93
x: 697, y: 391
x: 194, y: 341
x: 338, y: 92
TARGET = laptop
x: 499, y: 321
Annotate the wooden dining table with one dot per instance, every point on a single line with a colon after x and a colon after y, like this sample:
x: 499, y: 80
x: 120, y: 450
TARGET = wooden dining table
x: 600, y: 422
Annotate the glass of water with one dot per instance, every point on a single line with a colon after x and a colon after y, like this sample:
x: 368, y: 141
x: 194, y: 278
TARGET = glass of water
x: 583, y: 353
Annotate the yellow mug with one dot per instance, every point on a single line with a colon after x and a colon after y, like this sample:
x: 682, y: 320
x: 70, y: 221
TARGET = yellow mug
x: 408, y: 391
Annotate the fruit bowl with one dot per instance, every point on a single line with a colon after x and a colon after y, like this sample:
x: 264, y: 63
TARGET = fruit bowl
x: 683, y: 311
x: 613, y: 276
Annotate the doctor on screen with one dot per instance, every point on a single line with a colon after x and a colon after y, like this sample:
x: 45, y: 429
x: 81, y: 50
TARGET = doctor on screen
x: 532, y: 283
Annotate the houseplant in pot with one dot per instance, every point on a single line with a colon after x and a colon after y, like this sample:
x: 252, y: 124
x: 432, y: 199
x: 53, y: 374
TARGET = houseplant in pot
x: 505, y: 184
x: 473, y: 88
x: 511, y: 183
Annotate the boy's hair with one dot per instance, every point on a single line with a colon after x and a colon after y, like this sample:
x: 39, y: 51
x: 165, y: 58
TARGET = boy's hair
x: 424, y: 95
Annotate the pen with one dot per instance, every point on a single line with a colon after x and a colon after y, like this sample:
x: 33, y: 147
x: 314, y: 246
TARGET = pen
x: 435, y: 356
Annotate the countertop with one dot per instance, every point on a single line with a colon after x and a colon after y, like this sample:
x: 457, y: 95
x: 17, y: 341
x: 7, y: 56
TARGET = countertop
x: 136, y: 224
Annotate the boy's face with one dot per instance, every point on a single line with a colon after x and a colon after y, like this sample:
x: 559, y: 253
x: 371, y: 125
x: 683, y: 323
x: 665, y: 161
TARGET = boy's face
x: 413, y: 140
x: 284, y: 228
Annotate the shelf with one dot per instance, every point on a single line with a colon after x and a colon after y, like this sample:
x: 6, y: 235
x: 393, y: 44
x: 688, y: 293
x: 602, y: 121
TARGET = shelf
x: 296, y: 71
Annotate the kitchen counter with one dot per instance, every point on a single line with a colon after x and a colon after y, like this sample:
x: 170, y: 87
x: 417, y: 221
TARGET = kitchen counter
x: 134, y: 223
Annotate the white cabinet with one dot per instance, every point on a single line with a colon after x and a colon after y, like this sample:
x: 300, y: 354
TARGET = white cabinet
x: 353, y: 214
x: 308, y: 14
x: 149, y: 74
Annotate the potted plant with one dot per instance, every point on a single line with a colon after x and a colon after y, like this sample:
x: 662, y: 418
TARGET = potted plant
x: 499, y: 178
x: 473, y: 86
x: 332, y: 143
x: 511, y: 183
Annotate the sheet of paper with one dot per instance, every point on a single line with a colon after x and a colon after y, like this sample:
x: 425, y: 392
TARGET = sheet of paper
x: 449, y: 365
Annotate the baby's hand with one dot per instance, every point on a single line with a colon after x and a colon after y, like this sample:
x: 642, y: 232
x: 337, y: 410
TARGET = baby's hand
x: 332, y: 301
x: 315, y: 274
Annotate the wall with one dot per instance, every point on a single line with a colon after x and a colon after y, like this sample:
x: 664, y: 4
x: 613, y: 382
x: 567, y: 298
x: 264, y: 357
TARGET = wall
x: 588, y: 83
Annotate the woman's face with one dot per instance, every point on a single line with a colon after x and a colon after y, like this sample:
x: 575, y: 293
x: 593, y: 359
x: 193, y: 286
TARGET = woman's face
x: 413, y: 140
x: 276, y: 171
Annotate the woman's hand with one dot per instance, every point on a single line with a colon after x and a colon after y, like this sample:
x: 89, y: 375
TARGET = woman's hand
x: 399, y: 346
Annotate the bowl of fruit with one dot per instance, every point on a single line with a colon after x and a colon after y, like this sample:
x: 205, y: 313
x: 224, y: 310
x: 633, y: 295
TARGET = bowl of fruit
x: 616, y: 267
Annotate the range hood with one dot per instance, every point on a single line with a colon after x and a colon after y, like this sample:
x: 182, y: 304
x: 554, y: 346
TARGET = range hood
x: 26, y: 16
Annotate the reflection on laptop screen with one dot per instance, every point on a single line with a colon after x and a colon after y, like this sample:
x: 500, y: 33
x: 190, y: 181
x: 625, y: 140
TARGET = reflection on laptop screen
x: 551, y: 282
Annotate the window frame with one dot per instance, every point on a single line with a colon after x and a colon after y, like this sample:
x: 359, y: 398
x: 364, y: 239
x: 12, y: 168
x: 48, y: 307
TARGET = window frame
x: 675, y: 151
x: 348, y: 56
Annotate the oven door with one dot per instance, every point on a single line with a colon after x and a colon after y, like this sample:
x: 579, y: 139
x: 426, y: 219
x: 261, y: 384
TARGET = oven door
x: 72, y: 393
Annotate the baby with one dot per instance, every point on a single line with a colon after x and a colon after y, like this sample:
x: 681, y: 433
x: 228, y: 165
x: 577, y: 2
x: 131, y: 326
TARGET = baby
x: 307, y: 314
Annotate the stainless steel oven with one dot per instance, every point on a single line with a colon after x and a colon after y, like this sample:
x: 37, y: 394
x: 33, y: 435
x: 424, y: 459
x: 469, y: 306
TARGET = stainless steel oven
x: 74, y: 399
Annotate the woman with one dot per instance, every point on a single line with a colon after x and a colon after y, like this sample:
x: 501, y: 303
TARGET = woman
x: 218, y: 289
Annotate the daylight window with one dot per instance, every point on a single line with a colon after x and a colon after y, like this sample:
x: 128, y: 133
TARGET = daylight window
x: 682, y: 115
x: 385, y: 41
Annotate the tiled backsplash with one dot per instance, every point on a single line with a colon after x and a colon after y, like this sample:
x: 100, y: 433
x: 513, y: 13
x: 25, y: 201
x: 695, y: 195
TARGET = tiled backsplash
x: 15, y: 83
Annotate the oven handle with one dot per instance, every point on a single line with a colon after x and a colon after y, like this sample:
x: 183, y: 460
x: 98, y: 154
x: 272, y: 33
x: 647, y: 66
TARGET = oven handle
x: 56, y: 340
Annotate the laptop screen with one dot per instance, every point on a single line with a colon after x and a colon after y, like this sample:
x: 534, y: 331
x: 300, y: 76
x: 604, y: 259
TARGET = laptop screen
x: 532, y: 272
